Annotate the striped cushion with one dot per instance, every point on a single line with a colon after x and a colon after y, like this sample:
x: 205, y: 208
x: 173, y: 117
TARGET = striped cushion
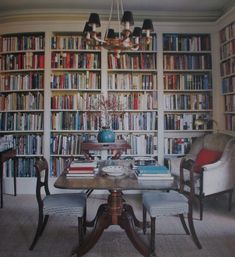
x: 65, y: 204
x: 165, y: 203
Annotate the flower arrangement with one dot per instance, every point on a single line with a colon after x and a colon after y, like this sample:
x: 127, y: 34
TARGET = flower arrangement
x: 108, y: 107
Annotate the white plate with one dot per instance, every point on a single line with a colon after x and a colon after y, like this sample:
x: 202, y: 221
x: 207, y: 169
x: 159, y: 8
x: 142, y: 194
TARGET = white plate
x: 114, y: 170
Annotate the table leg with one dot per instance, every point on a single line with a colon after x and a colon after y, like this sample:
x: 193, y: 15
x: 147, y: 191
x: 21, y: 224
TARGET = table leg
x: 1, y: 183
x: 115, y: 212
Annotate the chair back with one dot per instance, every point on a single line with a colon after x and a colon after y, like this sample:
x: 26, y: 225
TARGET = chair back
x: 41, y: 166
x: 187, y: 185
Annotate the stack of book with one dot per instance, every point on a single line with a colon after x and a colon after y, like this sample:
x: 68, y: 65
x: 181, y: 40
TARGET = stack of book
x: 81, y: 169
x: 153, y: 172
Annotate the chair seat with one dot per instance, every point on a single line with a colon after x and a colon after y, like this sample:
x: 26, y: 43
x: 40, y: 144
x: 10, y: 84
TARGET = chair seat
x: 165, y: 203
x: 65, y: 204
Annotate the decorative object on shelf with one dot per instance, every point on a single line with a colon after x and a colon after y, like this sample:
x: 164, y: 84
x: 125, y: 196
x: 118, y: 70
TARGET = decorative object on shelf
x: 123, y: 40
x: 206, y: 122
x: 106, y: 135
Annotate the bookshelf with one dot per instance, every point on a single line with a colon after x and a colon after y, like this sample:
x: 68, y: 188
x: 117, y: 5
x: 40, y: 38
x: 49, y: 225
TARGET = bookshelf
x: 22, y: 96
x: 132, y: 85
x: 227, y: 72
x: 75, y: 85
x: 187, y: 82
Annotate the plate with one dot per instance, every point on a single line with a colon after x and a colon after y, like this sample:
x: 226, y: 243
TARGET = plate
x: 114, y: 170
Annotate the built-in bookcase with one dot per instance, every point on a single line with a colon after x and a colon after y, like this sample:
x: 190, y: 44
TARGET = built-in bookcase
x: 132, y: 86
x: 75, y: 96
x: 187, y: 68
x: 227, y: 71
x: 22, y: 96
x: 69, y: 92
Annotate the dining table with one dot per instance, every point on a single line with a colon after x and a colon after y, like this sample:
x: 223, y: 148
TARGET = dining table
x: 116, y: 211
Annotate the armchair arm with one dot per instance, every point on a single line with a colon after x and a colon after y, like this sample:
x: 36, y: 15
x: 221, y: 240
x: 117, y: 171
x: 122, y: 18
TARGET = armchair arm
x: 217, y: 177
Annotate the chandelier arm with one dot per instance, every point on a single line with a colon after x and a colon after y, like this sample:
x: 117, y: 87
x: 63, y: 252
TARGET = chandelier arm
x: 110, y: 18
x: 98, y: 39
x: 119, y: 21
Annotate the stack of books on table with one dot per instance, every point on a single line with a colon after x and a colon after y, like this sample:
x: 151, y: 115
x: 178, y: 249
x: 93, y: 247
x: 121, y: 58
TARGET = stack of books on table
x: 81, y: 169
x: 153, y: 172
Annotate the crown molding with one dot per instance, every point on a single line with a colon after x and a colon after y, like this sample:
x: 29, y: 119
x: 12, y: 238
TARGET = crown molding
x: 76, y: 15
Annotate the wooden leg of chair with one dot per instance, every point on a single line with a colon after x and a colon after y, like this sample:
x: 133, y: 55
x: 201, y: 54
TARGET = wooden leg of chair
x: 38, y: 231
x: 44, y: 223
x: 201, y: 207
x: 80, y: 230
x: 192, y: 230
x: 230, y: 199
x: 152, y: 237
x: 144, y: 219
x: 184, y: 224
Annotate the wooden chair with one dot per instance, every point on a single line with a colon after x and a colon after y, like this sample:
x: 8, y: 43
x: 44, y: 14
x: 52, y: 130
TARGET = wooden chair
x: 160, y: 203
x: 57, y: 204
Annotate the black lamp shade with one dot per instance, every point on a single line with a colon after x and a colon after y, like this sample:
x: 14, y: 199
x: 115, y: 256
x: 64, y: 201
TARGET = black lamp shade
x: 137, y: 32
x: 111, y: 33
x: 147, y: 25
x: 128, y: 17
x: 94, y: 19
x: 87, y: 28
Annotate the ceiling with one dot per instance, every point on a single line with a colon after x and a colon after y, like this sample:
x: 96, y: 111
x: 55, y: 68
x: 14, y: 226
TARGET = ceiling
x: 205, y: 10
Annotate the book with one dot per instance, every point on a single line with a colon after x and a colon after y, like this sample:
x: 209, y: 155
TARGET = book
x: 80, y: 174
x: 153, y: 170
x: 153, y: 177
x: 79, y: 163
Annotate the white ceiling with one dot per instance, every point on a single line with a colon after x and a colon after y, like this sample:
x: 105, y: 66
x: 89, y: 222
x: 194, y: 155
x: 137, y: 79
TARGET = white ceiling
x: 205, y: 9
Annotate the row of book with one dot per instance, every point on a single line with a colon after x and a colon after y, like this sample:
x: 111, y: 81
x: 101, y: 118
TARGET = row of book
x: 136, y: 61
x: 187, y: 102
x: 230, y: 103
x: 21, y: 81
x: 25, y: 168
x: 75, y: 121
x: 76, y: 80
x: 134, y: 121
x: 230, y: 122
x: 227, y: 67
x: 227, y: 32
x: 187, y: 81
x: 141, y: 144
x: 186, y: 42
x: 28, y: 144
x: 66, y: 144
x: 135, y: 101
x: 133, y: 81
x: 227, y: 50
x: 228, y: 85
x: 178, y: 146
x: 21, y: 121
x: 70, y: 42
x: 78, y: 101
x: 70, y: 60
x: 184, y: 121
x: 187, y: 61
x: 22, y: 101
x: 22, y: 61
x: 22, y: 43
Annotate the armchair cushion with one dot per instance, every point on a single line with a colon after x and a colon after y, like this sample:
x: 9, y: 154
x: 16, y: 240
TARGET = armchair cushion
x: 206, y: 156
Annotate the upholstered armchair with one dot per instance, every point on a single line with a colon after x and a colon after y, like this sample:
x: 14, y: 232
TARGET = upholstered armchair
x: 215, y: 156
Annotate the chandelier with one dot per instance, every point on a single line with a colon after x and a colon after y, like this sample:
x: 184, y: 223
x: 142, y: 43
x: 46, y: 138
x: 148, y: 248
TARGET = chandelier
x: 121, y: 40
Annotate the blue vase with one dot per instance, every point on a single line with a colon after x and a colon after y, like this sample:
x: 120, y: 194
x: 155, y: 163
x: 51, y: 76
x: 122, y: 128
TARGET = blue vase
x: 106, y: 135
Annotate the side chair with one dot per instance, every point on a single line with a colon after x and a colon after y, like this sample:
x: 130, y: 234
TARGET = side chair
x: 171, y: 203
x: 68, y: 204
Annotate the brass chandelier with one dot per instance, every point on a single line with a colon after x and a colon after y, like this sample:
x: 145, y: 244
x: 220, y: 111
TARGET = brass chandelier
x: 122, y: 40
